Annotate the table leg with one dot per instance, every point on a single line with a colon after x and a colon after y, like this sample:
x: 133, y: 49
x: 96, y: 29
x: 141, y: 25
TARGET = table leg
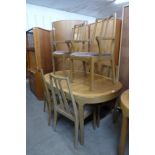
x: 81, y: 119
x: 92, y: 75
x: 123, y: 136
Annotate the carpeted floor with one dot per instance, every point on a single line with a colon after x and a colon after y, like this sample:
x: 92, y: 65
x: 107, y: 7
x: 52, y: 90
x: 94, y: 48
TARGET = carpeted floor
x: 43, y: 140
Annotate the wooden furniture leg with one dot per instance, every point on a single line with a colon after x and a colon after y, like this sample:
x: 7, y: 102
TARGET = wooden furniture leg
x: 55, y: 119
x: 98, y: 115
x: 94, y: 117
x: 123, y: 136
x: 63, y: 64
x: 113, y: 70
x: 81, y: 119
x: 84, y: 67
x: 49, y: 115
x: 91, y: 74
x: 44, y: 105
x: 53, y: 64
x: 76, y: 133
x: 72, y: 69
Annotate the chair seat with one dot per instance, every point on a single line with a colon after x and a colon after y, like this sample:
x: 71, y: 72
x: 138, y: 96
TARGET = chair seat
x: 84, y: 54
x: 60, y: 52
x: 88, y: 110
x: 88, y: 54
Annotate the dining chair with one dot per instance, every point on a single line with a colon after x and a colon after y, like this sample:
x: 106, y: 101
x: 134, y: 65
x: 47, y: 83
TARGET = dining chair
x: 65, y: 104
x: 48, y: 101
x: 78, y: 32
x: 106, y: 43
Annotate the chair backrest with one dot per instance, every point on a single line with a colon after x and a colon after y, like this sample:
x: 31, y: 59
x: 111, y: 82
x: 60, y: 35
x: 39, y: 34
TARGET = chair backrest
x: 47, y: 95
x: 63, y: 101
x: 103, y: 29
x: 93, y: 31
x: 106, y: 37
x: 79, y: 31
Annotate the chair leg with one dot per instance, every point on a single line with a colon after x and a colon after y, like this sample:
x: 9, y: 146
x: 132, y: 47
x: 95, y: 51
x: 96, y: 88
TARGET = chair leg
x: 116, y: 111
x: 92, y: 74
x: 94, y: 117
x: 55, y: 119
x: 44, y: 105
x: 63, y: 65
x: 53, y: 63
x: 84, y: 67
x: 98, y: 115
x: 76, y: 133
x: 72, y: 69
x: 49, y: 115
x: 109, y: 71
x: 113, y: 70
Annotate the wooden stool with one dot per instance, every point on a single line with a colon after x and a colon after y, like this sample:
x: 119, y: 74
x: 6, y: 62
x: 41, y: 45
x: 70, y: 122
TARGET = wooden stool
x: 125, y: 121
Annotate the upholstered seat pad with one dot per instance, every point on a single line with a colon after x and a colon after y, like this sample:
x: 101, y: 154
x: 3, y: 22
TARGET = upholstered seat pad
x: 84, y: 54
x: 60, y: 52
x: 88, y: 54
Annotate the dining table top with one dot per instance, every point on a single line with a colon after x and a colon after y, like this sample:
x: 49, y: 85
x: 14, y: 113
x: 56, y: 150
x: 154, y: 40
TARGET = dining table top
x: 125, y: 98
x: 104, y: 88
x: 125, y: 102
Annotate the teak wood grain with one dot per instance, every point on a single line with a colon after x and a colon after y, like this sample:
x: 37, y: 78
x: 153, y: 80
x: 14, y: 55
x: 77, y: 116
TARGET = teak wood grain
x: 38, y: 54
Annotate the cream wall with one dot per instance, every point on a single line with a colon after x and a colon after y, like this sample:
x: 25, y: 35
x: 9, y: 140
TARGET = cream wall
x: 38, y: 16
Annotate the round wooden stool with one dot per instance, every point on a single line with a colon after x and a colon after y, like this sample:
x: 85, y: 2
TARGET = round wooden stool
x: 124, y: 103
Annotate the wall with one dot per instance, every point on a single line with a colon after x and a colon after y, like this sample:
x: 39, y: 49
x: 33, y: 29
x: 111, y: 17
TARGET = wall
x: 38, y: 16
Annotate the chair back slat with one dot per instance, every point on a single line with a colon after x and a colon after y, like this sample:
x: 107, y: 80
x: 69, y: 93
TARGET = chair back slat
x: 92, y: 37
x: 58, y: 94
x: 65, y: 102
x: 107, y: 34
x: 79, y: 31
x: 47, y: 95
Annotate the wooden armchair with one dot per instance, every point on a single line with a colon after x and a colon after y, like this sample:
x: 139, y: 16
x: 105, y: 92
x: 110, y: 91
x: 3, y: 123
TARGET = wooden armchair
x: 79, y: 31
x: 64, y: 102
x: 106, y: 42
x: 48, y: 101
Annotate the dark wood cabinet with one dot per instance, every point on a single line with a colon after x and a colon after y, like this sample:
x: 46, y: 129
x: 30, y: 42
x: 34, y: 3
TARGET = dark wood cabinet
x: 38, y: 55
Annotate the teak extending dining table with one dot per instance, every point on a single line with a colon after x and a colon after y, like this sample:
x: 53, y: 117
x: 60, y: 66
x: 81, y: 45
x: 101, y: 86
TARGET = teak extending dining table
x: 104, y: 90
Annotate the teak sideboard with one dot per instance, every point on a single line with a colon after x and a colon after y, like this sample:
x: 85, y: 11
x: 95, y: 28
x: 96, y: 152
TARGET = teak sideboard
x: 38, y: 55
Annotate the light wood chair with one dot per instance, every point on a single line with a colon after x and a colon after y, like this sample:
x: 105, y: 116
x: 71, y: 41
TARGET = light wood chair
x: 106, y: 44
x: 79, y: 35
x: 79, y: 32
x: 66, y: 104
x: 48, y: 101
